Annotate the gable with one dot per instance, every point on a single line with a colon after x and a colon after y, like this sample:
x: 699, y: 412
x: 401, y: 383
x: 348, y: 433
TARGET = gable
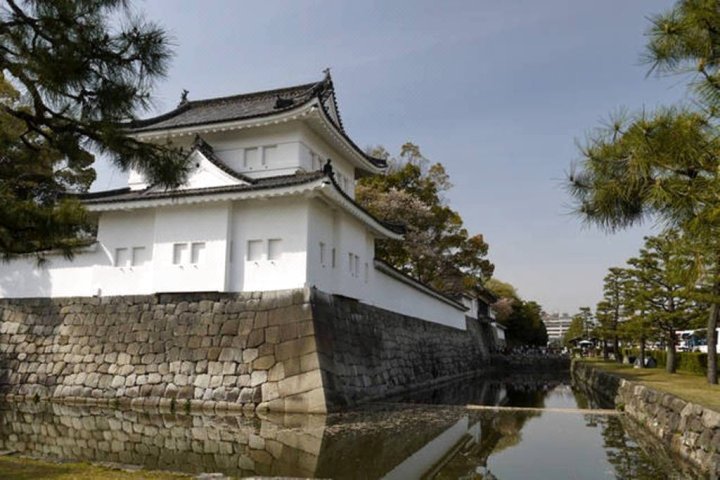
x: 205, y: 173
x: 330, y: 106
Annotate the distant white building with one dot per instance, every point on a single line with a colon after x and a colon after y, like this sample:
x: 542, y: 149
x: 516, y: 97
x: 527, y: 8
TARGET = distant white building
x: 262, y: 210
x: 557, y: 324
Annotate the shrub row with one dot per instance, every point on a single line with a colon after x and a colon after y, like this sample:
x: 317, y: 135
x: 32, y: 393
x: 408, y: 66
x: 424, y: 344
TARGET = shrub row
x: 690, y: 362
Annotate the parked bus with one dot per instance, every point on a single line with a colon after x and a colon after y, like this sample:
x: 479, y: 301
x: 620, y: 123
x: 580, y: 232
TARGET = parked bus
x: 695, y: 340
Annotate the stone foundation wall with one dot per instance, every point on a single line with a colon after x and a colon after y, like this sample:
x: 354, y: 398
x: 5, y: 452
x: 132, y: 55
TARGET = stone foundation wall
x: 368, y: 353
x: 299, y: 350
x: 687, y: 429
x: 202, y: 349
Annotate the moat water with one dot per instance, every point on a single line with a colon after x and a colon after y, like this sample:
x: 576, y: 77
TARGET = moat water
x: 428, y: 435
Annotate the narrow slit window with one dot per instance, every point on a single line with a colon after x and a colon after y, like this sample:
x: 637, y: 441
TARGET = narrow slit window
x: 332, y: 258
x: 121, y: 257
x: 351, y: 263
x: 367, y: 272
x: 197, y: 252
x: 179, y: 253
x: 356, y: 269
x: 254, y: 250
x: 274, y: 248
x: 322, y: 254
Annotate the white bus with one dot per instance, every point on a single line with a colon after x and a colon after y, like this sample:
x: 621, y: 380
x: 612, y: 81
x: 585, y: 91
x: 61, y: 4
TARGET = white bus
x: 695, y: 340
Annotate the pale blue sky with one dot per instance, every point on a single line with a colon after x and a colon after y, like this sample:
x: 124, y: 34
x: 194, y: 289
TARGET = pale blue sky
x: 498, y: 91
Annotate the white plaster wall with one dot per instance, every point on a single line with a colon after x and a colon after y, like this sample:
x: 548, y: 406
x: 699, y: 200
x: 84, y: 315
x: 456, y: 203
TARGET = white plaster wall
x: 391, y: 294
x: 205, y: 223
x: 472, y: 305
x: 339, y: 231
x: 285, y: 220
x: 344, y: 233
x: 124, y: 230
x: 230, y: 147
x: 58, y: 277
x: 320, y: 271
x: 311, y: 142
x: 225, y: 228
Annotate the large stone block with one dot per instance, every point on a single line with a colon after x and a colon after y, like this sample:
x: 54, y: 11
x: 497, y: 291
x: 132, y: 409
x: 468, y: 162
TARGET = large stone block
x: 264, y: 362
x: 300, y: 383
x: 295, y: 348
x: 258, y: 377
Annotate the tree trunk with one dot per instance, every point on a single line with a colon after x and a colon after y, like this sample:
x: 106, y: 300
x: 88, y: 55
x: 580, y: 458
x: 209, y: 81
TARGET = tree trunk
x: 606, y: 355
x: 642, y: 352
x: 616, y: 348
x: 670, y: 358
x: 712, y: 376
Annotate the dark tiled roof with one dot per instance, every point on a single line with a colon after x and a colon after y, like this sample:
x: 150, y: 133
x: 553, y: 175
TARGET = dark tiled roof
x: 247, y: 106
x: 236, y: 107
x: 127, y: 195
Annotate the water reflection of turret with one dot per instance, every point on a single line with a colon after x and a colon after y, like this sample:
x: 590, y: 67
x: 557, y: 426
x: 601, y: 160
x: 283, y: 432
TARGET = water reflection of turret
x: 497, y: 431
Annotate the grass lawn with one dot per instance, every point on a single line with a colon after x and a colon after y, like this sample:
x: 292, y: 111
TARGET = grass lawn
x: 693, y: 388
x: 18, y: 468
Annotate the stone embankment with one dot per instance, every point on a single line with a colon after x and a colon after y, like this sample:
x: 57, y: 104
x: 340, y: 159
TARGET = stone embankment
x: 299, y: 350
x: 687, y: 429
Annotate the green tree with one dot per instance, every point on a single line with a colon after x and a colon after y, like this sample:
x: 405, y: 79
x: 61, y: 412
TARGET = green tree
x: 610, y: 312
x: 578, y: 326
x: 604, y: 313
x: 525, y: 325
x: 73, y: 74
x: 637, y: 327
x: 507, y: 297
x: 661, y: 272
x: 437, y: 248
x: 523, y: 319
x: 665, y: 163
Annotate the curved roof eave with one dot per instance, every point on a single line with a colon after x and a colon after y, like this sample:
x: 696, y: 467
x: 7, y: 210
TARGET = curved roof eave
x: 296, y: 113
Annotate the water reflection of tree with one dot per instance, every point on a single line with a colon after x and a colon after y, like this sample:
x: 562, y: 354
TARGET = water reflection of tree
x: 631, y: 459
x: 498, y: 431
x: 626, y: 456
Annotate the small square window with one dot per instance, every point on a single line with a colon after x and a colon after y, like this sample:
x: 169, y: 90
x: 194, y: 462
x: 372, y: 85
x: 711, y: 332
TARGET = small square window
x: 122, y: 257
x: 139, y: 256
x: 179, y: 250
x: 274, y: 248
x: 251, y: 159
x: 254, y: 250
x: 197, y: 252
x: 268, y: 154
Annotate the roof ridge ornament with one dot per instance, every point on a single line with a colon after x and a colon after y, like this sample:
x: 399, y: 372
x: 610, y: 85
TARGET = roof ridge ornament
x: 328, y: 169
x: 281, y: 102
x: 184, y: 98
